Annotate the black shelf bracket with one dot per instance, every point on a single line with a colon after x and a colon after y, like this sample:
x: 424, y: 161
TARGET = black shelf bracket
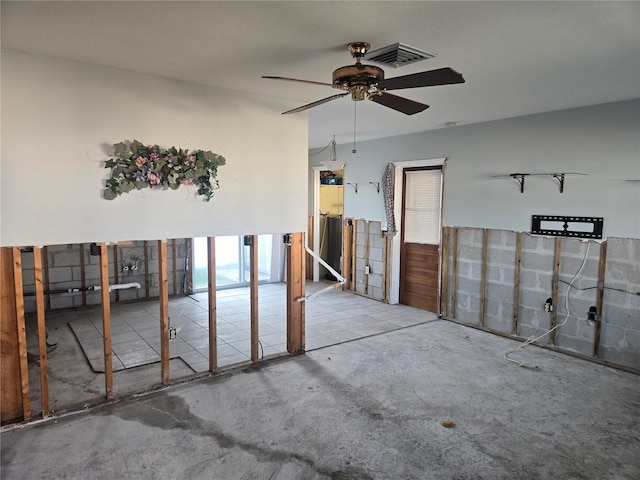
x: 560, y: 178
x: 520, y: 179
x: 376, y: 185
x: 354, y: 185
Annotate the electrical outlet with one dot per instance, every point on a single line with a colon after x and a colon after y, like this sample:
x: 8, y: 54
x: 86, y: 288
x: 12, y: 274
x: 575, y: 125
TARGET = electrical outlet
x: 366, y: 270
x: 548, y: 306
x: 172, y: 333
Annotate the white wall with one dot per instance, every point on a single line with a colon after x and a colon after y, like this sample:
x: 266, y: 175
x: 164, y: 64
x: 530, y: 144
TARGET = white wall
x: 60, y: 120
x: 602, y: 141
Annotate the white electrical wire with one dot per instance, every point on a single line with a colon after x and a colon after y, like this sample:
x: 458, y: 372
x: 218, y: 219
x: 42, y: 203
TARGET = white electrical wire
x: 531, y: 339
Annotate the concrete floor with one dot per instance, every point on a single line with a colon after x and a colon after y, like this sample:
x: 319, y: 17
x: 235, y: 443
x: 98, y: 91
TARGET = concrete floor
x: 366, y: 409
x: 75, y: 382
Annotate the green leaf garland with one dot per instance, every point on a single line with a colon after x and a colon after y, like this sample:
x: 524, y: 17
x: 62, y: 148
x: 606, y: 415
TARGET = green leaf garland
x: 138, y: 166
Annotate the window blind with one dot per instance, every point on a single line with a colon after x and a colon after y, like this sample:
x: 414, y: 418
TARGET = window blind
x: 422, y: 206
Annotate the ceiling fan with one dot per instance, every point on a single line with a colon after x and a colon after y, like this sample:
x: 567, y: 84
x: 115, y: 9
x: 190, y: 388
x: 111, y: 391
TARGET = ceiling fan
x: 367, y: 81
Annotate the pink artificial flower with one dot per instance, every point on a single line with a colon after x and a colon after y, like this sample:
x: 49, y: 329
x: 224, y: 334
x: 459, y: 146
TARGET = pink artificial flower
x: 140, y: 161
x: 188, y: 181
x: 154, y: 178
x: 189, y: 159
x: 154, y: 156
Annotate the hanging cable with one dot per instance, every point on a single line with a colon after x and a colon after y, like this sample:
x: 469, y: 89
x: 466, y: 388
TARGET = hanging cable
x: 531, y: 339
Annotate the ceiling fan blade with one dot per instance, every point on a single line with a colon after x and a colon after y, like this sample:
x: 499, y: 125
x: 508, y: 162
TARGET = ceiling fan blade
x: 442, y: 76
x: 401, y: 104
x: 298, y: 80
x: 316, y: 103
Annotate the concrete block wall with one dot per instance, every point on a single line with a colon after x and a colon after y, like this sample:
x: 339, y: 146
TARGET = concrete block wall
x: 579, y: 265
x: 370, y: 253
x: 620, y: 334
x: 65, y: 272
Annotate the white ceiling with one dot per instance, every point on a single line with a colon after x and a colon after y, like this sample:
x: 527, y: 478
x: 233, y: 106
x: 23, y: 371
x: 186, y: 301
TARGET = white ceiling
x: 517, y: 58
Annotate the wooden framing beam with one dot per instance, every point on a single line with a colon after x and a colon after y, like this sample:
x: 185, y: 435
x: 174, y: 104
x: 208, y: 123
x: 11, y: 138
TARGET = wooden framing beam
x: 106, y: 320
x: 116, y: 270
x: 164, y: 311
x: 347, y: 233
x: 444, y: 271
x: 354, y: 249
x: 516, y: 284
x: 600, y: 298
x: 42, y: 329
x: 146, y: 269
x: 213, y: 332
x: 295, y: 291
x: 483, y: 273
x: 555, y: 282
x: 83, y: 275
x: 174, y: 263
x: 253, y: 281
x: 22, y: 333
x: 454, y: 273
x: 45, y: 266
x: 367, y: 230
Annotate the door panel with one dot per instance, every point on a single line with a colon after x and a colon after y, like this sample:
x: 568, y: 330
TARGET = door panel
x: 420, y: 238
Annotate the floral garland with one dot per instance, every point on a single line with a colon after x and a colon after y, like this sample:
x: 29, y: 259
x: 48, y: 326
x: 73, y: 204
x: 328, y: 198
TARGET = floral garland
x: 138, y: 166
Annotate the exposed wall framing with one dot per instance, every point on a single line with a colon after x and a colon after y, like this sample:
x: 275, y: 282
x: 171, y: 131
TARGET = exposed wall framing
x: 500, y: 281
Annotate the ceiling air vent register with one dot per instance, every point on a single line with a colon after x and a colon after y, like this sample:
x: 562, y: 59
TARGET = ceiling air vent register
x: 398, y: 55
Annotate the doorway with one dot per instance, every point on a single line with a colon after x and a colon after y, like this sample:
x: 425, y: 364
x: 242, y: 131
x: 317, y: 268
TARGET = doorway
x: 420, y: 237
x: 438, y: 165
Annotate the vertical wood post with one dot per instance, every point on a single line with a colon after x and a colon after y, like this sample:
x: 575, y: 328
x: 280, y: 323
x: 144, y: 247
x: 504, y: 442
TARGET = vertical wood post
x: 516, y: 284
x: 146, y: 269
x: 164, y: 311
x: 354, y: 249
x: 174, y: 255
x: 295, y: 291
x: 42, y: 329
x: 367, y: 230
x: 22, y: 333
x: 454, y: 273
x: 557, y: 254
x: 116, y: 270
x: 83, y: 275
x: 444, y: 271
x: 106, y: 320
x: 45, y: 266
x: 483, y: 273
x: 600, y: 297
x: 213, y: 332
x: 347, y: 232
x: 253, y: 279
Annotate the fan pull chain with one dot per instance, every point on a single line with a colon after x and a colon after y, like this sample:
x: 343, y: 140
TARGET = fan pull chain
x: 355, y: 114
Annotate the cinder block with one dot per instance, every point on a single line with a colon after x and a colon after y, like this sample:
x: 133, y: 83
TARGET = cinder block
x: 376, y: 240
x: 376, y: 254
x: 375, y: 280
x: 360, y: 227
x: 60, y: 274
x: 360, y: 251
x: 65, y: 258
x: 376, y: 292
x: 377, y: 267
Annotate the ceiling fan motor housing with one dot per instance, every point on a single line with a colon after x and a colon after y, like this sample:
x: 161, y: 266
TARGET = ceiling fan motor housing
x: 357, y: 79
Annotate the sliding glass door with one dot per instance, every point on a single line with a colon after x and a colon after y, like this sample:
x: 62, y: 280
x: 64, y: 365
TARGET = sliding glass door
x: 232, y: 261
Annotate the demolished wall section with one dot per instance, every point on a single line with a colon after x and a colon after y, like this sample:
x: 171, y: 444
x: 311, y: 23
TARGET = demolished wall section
x: 615, y: 334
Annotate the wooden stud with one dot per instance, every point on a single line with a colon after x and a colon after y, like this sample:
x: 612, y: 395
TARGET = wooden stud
x: 454, y: 273
x: 354, y: 239
x: 385, y: 273
x: 47, y: 286
x: 295, y: 291
x: 106, y: 320
x: 146, y: 269
x: 83, y: 276
x: 22, y: 333
x: 367, y: 230
x: 309, y: 260
x: 116, y: 270
x: 188, y: 284
x: 213, y: 333
x: 600, y: 297
x: 483, y: 273
x: 444, y: 271
x: 347, y: 231
x: 42, y: 329
x: 516, y: 284
x: 164, y: 311
x: 253, y: 282
x: 174, y: 254
x: 557, y: 253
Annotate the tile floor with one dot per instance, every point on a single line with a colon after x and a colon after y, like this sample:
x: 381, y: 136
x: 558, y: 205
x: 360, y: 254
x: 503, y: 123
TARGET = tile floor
x: 332, y: 317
